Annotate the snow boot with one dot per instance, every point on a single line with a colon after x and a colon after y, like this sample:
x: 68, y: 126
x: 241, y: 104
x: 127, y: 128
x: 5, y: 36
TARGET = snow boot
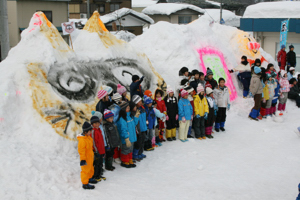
x: 168, y: 134
x: 245, y: 94
x: 88, y: 187
x: 222, y: 124
x: 100, y: 178
x: 190, y: 136
x: 140, y: 157
x: 125, y: 164
x: 169, y: 139
x: 182, y: 140
x: 132, y: 165
x: 203, y: 137
x: 135, y: 155
x: 217, y: 127
x: 199, y: 138
x: 173, y: 138
x: 253, y: 114
x: 108, y: 164
x: 93, y: 181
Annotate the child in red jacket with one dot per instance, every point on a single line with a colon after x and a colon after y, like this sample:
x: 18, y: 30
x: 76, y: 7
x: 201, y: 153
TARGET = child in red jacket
x: 161, y: 106
x: 99, y: 149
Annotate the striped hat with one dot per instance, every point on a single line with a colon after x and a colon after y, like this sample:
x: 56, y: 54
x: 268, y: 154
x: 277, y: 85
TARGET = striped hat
x: 121, y: 89
x: 136, y: 99
x: 184, y: 93
x: 86, y: 127
x: 94, y: 119
x: 200, y: 88
x: 108, y: 89
x: 101, y: 94
x: 124, y: 105
x: 108, y: 114
x: 169, y: 90
x: 116, y: 97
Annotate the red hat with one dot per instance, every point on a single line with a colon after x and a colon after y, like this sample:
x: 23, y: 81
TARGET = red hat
x: 184, y: 93
x: 148, y: 93
x: 101, y: 94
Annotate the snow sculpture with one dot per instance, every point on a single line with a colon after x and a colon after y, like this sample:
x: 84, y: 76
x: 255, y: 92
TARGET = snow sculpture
x: 61, y: 84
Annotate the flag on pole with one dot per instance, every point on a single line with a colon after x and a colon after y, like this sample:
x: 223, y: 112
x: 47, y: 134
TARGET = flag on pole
x: 284, y: 32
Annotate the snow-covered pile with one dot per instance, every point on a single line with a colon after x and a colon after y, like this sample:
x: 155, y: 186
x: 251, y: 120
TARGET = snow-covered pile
x: 287, y: 9
x: 123, y: 12
x: 213, y: 3
x: 142, y: 3
x: 229, y: 17
x: 169, y: 8
x: 123, y: 35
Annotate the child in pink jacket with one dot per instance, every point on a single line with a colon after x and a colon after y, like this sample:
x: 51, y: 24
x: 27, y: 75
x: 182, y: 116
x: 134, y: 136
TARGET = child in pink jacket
x: 284, y: 90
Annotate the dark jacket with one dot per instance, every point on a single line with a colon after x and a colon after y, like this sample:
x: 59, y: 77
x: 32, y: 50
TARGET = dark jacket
x: 294, y: 92
x: 136, y: 88
x: 112, y: 134
x: 172, y: 111
x: 194, y: 84
x: 101, y: 106
x: 211, y: 83
x: 291, y: 58
x: 150, y: 114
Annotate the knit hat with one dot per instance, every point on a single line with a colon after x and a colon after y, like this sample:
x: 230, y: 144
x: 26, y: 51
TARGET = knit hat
x: 101, y: 94
x: 169, y: 89
x: 209, y: 72
x: 209, y: 90
x: 147, y: 100
x: 268, y: 76
x: 257, y: 70
x: 148, y: 93
x: 108, y: 114
x: 200, y: 88
x: 282, y: 46
x: 116, y: 97
x: 121, y: 89
x: 134, y: 78
x: 123, y: 105
x: 86, y: 127
x: 292, y: 68
x: 136, y: 99
x: 97, y: 113
x: 282, y: 73
x: 184, y: 93
x: 94, y: 119
x: 291, y: 46
x: 108, y: 89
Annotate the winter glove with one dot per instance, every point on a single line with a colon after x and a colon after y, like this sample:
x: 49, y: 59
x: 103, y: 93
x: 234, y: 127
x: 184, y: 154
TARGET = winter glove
x: 82, y: 163
x: 167, y: 117
x: 197, y: 116
x: 231, y: 71
x: 228, y: 106
x: 205, y: 115
x: 137, y: 114
x: 176, y: 117
x: 142, y: 78
x: 128, y: 143
x: 183, y: 119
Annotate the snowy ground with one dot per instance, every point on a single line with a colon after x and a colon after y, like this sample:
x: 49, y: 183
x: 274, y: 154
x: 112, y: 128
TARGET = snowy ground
x: 251, y: 160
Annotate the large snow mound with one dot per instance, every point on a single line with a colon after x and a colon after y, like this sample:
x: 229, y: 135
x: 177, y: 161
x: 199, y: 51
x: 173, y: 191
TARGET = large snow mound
x: 229, y: 17
x: 169, y: 8
x: 123, y: 12
x: 286, y: 9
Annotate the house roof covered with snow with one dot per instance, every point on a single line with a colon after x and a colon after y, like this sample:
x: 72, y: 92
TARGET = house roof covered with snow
x: 213, y: 3
x: 122, y: 13
x: 280, y: 9
x: 142, y: 3
x: 229, y: 17
x: 170, y: 8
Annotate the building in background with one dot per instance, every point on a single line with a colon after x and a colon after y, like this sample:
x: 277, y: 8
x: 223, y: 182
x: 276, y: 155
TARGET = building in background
x: 78, y: 8
x: 175, y: 13
x: 264, y: 20
x: 21, y: 11
x: 139, y: 5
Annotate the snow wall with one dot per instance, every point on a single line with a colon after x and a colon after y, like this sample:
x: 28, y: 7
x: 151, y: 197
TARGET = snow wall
x: 43, y: 73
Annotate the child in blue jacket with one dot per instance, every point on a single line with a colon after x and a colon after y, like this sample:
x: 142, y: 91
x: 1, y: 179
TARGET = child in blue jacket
x: 150, y: 113
x: 126, y: 128
x: 185, y: 112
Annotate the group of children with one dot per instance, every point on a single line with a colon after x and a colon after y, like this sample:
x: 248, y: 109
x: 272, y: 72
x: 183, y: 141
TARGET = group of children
x: 123, y: 129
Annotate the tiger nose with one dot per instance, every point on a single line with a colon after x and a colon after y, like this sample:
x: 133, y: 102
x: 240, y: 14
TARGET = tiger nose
x: 253, y: 45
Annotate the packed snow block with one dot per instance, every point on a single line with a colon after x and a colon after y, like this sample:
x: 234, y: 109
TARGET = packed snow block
x: 61, y: 84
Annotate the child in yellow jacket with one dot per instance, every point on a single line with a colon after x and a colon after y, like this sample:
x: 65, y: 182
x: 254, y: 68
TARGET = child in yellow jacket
x: 86, y: 154
x: 265, y: 98
x: 201, y: 112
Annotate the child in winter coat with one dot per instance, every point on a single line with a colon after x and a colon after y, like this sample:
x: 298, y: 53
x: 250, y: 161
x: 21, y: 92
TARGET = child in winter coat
x: 161, y: 106
x: 222, y: 100
x: 99, y: 149
x: 256, y: 89
x: 136, y: 87
x: 150, y: 116
x: 126, y: 128
x: 158, y: 116
x: 104, y: 102
x: 212, y: 109
x: 291, y: 73
x: 142, y: 129
x: 115, y: 108
x: 276, y: 96
x: 294, y: 92
x: 190, y: 90
x: 283, y: 92
x: 113, y: 139
x: 185, y: 111
x: 210, y: 81
x: 265, y: 98
x: 109, y: 91
x: 172, y: 113
x: 201, y: 112
x: 86, y: 154
x: 272, y: 85
x: 123, y: 92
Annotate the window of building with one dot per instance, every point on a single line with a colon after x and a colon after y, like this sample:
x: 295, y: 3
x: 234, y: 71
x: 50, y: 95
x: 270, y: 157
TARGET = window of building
x: 184, y: 19
x: 102, y: 8
x: 48, y: 14
x: 114, y: 7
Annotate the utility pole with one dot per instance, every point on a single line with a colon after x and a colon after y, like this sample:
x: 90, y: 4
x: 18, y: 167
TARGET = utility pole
x: 88, y: 8
x: 221, y: 7
x: 4, y: 29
